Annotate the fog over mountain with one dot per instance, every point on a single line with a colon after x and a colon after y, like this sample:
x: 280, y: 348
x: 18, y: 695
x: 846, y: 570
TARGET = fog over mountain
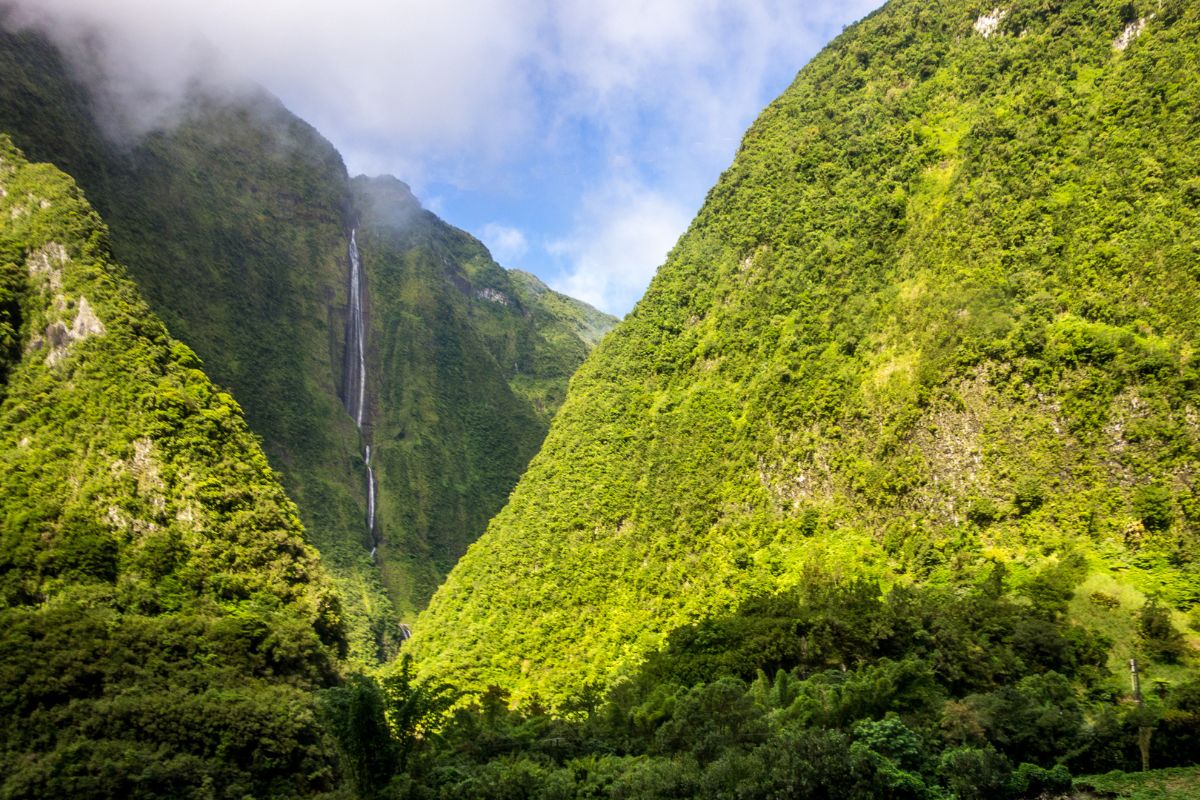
x: 524, y: 115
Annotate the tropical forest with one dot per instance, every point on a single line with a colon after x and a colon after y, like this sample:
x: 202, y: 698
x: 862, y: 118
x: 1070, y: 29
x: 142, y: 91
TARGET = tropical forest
x: 884, y: 481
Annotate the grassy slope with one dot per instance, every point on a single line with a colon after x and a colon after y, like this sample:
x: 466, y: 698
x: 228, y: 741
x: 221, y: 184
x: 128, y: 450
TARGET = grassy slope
x: 1181, y: 783
x: 464, y: 376
x: 940, y: 310
x: 163, y: 622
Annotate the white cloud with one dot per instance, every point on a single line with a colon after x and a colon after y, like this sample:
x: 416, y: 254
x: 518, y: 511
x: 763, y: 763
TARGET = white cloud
x: 461, y: 78
x: 508, y: 245
x: 467, y: 92
x: 622, y: 236
x: 707, y: 66
x: 422, y: 79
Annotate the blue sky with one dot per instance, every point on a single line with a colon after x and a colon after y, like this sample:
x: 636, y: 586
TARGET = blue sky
x: 576, y: 139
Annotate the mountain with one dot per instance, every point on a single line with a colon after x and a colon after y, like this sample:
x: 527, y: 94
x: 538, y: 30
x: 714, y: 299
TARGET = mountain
x: 164, y: 624
x: 887, y: 488
x: 467, y: 364
x: 235, y: 221
x: 938, y: 315
x: 232, y: 224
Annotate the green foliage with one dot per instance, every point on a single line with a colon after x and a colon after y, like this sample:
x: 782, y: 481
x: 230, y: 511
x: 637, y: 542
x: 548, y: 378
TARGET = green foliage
x: 1152, y: 504
x: 893, y: 718
x: 1161, y: 784
x: 939, y: 312
x: 971, y: 773
x: 473, y: 361
x: 1158, y: 634
x: 357, y: 715
x: 711, y: 719
x: 163, y: 622
x: 232, y: 222
x: 413, y: 708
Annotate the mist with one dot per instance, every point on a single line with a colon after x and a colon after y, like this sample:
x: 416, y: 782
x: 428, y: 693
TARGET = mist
x: 644, y: 102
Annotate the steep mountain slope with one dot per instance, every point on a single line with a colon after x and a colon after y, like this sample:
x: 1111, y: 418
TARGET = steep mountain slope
x: 232, y: 223
x: 467, y: 362
x: 235, y: 222
x: 564, y: 331
x: 163, y: 622
x: 939, y: 312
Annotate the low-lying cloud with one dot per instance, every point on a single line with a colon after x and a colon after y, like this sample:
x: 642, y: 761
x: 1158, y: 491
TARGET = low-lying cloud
x: 461, y: 92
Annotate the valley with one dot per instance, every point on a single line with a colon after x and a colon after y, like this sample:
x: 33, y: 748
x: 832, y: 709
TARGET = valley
x: 887, y: 487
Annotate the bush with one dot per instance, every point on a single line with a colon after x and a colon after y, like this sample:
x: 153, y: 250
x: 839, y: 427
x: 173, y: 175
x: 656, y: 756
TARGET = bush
x: 1152, y: 504
x: 974, y: 774
x: 1032, y: 781
x: 1160, y: 639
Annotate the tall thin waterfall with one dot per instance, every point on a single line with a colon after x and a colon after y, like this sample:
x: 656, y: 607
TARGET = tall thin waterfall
x: 356, y: 363
x: 371, y: 501
x: 355, y: 399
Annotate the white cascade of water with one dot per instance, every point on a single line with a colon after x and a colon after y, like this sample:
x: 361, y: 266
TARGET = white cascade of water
x: 370, y: 494
x: 356, y: 383
x: 356, y: 374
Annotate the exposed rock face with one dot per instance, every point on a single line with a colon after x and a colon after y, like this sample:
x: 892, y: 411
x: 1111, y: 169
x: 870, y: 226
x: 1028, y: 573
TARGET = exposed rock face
x: 988, y: 24
x: 1132, y: 31
x: 59, y: 337
x: 46, y: 264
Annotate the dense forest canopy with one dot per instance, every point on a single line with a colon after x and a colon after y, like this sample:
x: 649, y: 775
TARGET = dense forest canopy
x: 888, y: 488
x: 163, y: 622
x: 939, y: 313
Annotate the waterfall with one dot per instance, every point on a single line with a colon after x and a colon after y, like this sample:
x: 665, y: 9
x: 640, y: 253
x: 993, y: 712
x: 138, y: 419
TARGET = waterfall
x: 356, y: 363
x: 355, y: 399
x: 370, y: 495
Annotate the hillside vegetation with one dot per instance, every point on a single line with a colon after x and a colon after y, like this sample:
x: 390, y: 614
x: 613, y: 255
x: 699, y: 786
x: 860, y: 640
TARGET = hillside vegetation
x: 232, y: 222
x: 164, y: 624
x: 470, y: 361
x: 879, y: 492
x: 234, y: 219
x: 833, y: 690
x: 938, y: 315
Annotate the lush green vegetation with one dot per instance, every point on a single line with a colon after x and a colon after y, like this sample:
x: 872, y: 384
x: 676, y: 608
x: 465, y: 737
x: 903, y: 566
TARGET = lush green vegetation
x: 832, y: 689
x: 163, y: 622
x: 234, y: 221
x: 1181, y: 783
x: 559, y: 332
x: 940, y: 311
x: 875, y: 494
x: 472, y: 362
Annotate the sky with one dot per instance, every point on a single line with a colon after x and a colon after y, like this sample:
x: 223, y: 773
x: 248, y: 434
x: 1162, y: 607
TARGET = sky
x: 575, y: 138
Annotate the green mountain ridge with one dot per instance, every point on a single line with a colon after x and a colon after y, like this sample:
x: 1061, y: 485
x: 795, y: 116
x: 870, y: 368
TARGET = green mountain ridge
x: 938, y: 314
x: 472, y: 362
x: 234, y: 221
x: 163, y: 622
